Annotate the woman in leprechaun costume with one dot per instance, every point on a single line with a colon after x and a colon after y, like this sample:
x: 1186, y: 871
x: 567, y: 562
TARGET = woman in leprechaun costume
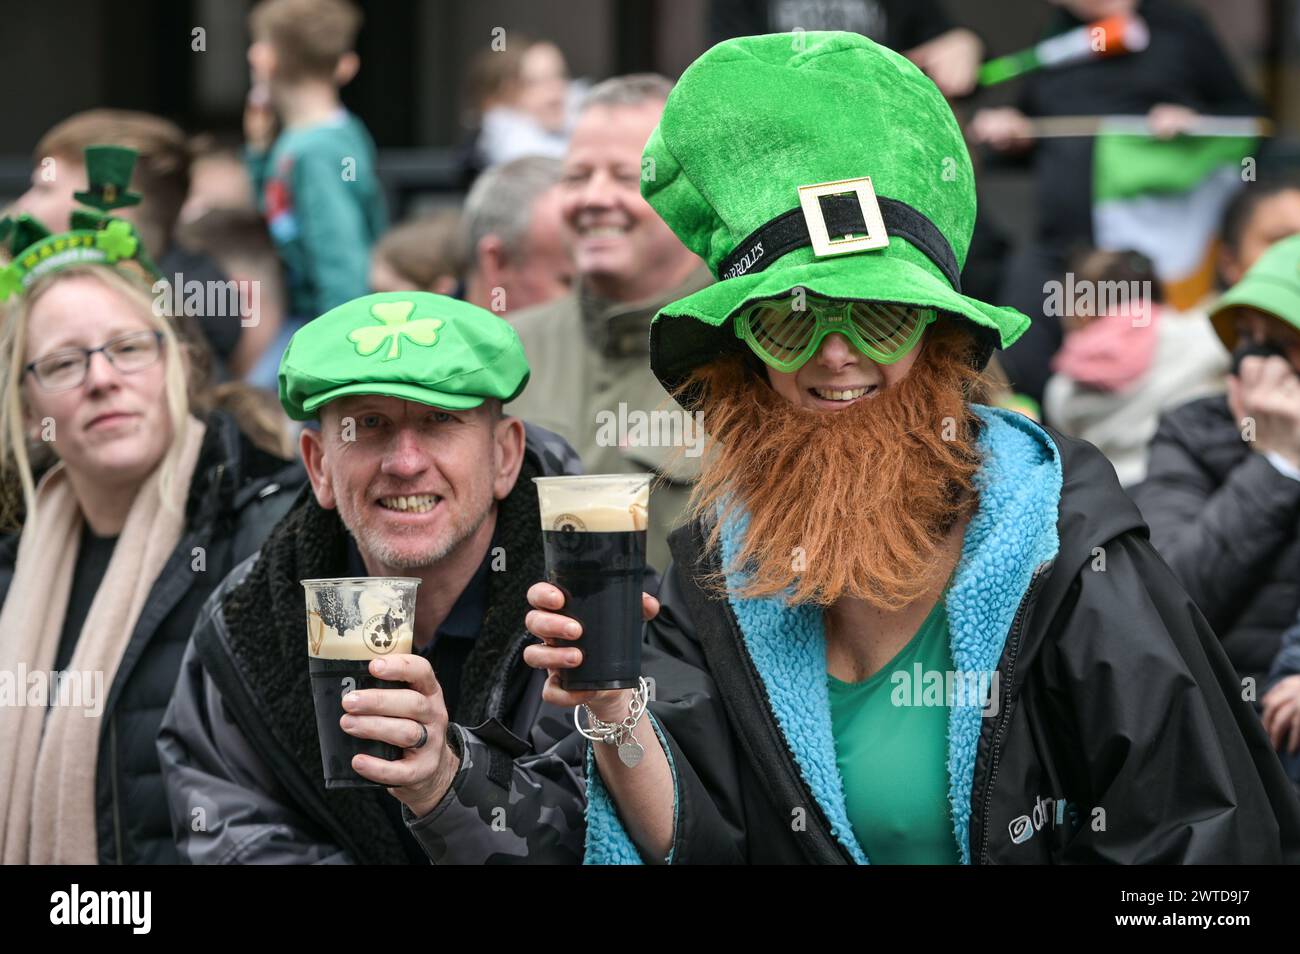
x: 902, y: 626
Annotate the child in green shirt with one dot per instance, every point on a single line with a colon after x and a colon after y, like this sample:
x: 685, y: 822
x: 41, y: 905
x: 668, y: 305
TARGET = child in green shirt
x: 316, y: 181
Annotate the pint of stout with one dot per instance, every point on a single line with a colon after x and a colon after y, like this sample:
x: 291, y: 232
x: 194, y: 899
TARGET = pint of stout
x: 593, y: 535
x: 351, y: 621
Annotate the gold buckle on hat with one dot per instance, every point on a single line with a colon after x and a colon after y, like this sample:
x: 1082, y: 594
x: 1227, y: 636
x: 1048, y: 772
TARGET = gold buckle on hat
x: 822, y: 242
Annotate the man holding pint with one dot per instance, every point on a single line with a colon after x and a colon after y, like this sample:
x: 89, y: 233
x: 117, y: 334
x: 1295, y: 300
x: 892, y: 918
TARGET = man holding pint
x: 907, y: 627
x: 416, y: 472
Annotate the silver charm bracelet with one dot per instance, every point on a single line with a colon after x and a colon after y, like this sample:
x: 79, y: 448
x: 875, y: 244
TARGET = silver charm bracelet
x: 630, y: 751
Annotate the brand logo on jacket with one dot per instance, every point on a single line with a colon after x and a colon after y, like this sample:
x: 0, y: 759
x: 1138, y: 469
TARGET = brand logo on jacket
x: 1053, y: 812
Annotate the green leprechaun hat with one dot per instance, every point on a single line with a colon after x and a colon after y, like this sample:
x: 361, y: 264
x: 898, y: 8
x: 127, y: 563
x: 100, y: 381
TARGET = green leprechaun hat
x: 95, y: 237
x: 1272, y: 285
x: 108, y: 169
x: 820, y: 161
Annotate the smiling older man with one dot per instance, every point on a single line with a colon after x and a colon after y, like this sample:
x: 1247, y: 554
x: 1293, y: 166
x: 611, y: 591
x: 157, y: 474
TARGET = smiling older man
x: 415, y: 471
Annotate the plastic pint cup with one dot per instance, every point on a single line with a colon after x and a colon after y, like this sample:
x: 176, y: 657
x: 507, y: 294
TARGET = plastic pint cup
x: 351, y: 621
x: 594, y: 537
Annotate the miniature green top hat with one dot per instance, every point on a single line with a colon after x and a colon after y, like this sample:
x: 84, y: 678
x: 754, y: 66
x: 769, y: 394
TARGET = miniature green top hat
x: 109, y: 169
x: 1272, y: 285
x: 95, y: 237
x: 416, y: 346
x: 772, y: 149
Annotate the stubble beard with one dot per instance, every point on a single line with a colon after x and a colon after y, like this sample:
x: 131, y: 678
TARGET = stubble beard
x: 381, y: 547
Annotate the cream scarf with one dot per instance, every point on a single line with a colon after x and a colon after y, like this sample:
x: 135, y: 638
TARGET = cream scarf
x: 48, y: 762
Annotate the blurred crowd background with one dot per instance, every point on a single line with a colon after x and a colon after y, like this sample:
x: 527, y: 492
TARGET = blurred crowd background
x: 449, y: 89
x: 415, y: 91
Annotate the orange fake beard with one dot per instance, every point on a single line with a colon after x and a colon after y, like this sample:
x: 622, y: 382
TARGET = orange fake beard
x: 851, y: 503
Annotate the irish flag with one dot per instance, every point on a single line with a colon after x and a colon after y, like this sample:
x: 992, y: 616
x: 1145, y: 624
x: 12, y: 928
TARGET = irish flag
x: 1113, y: 36
x: 1165, y: 197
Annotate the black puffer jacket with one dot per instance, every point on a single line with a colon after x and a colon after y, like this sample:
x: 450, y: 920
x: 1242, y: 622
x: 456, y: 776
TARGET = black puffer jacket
x: 1228, y: 524
x: 237, y: 494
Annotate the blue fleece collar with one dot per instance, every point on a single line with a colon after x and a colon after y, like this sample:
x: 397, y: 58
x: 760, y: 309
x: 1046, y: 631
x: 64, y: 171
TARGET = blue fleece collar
x: 1011, y: 534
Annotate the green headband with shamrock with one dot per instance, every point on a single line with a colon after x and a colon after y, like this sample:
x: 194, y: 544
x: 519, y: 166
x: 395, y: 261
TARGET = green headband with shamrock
x: 95, y: 237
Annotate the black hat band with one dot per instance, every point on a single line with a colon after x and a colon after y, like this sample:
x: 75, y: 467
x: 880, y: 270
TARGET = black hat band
x: 843, y: 215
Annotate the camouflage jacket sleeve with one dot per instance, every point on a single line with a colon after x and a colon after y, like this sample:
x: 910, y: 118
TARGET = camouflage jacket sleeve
x: 504, y: 806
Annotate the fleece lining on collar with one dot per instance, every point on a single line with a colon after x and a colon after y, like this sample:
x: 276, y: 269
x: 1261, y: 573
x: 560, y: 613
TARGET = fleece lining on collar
x: 1011, y: 534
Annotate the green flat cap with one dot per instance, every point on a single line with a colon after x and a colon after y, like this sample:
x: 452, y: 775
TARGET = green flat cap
x: 1271, y: 285
x: 410, y: 345
x: 811, y: 160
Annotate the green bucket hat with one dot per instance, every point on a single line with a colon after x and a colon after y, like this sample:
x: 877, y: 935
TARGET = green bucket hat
x: 1271, y: 285
x: 773, y: 148
x: 410, y: 345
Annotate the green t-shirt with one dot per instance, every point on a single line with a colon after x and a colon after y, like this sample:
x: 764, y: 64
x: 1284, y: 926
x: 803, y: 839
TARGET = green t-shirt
x: 893, y: 758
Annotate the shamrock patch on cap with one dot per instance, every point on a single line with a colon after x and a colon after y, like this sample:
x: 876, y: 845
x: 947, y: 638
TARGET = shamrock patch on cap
x: 395, y: 322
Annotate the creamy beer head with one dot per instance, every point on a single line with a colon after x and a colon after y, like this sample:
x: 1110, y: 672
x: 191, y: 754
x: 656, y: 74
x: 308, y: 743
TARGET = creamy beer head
x: 598, y: 503
x: 360, y: 618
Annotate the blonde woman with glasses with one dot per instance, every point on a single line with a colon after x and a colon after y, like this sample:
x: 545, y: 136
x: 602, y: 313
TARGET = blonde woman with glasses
x: 132, y: 498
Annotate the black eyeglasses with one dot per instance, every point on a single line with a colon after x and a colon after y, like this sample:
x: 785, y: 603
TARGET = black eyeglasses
x: 64, y: 370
